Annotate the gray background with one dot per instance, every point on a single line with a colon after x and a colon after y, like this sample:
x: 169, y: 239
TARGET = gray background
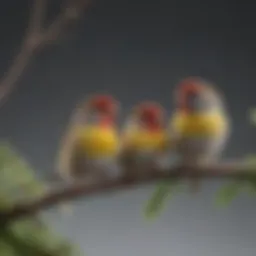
x: 137, y: 50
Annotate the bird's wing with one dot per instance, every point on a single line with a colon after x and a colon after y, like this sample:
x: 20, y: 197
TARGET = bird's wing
x: 68, y: 141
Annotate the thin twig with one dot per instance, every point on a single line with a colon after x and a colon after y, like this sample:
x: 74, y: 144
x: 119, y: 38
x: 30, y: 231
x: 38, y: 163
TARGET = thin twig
x: 23, y: 57
x: 36, y: 38
x: 37, y: 17
x: 83, y: 189
x: 7, y: 85
x: 71, y: 11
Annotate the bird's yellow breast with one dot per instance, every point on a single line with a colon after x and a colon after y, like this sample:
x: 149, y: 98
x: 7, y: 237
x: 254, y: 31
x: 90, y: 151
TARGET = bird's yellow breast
x: 98, y: 141
x: 146, y: 140
x: 203, y: 124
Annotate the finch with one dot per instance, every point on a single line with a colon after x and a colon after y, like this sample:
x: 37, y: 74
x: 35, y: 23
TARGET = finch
x: 143, y: 140
x: 200, y: 124
x: 92, y: 140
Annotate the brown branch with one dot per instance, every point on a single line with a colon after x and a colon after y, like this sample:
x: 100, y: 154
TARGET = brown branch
x: 36, y: 38
x: 7, y: 85
x: 239, y: 171
x: 37, y: 17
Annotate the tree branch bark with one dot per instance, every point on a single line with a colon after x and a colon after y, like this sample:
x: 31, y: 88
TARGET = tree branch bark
x: 71, y: 11
x: 228, y: 170
x: 37, y: 17
x: 36, y: 38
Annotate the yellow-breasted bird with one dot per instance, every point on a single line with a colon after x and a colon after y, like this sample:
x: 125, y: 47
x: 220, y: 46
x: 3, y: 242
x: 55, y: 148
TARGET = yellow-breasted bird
x: 90, y: 147
x: 144, y: 139
x: 200, y: 124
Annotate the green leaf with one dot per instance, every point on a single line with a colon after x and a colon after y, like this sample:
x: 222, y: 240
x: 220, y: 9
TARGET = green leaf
x: 5, y: 204
x: 35, y: 232
x: 250, y: 160
x: 250, y: 184
x: 228, y: 193
x: 23, y: 248
x: 31, y: 236
x: 14, y: 167
x: 17, y: 179
x: 157, y: 202
x: 7, y: 249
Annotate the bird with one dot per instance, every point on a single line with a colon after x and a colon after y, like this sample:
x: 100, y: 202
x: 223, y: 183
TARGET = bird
x: 200, y: 124
x: 143, y: 140
x: 91, y: 143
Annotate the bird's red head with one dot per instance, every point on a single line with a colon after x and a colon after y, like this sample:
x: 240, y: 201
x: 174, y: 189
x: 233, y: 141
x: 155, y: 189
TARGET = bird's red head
x: 151, y: 115
x: 105, y: 106
x: 187, y: 89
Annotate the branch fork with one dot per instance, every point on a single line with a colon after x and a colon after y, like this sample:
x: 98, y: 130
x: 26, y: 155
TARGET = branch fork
x: 37, y: 37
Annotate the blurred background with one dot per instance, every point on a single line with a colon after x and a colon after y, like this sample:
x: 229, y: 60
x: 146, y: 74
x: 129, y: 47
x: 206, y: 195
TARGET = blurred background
x: 138, y: 50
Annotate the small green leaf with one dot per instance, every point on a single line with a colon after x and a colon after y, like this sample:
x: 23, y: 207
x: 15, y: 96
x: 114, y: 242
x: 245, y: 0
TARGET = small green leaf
x: 6, y: 249
x: 5, y: 203
x: 23, y: 248
x: 158, y: 200
x: 250, y: 183
x: 228, y: 193
x: 250, y: 160
x: 34, y: 232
